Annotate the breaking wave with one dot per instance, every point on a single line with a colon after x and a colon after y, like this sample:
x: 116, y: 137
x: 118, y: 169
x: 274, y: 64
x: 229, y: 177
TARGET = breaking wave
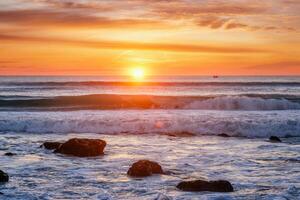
x: 251, y: 124
x: 116, y: 102
x: 243, y: 103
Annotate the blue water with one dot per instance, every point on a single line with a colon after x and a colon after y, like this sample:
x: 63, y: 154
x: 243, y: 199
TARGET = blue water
x: 250, y: 109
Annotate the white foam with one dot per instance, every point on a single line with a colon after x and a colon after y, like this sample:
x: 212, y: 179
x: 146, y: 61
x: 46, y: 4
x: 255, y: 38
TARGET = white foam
x: 163, y: 197
x: 235, y: 123
x: 243, y: 103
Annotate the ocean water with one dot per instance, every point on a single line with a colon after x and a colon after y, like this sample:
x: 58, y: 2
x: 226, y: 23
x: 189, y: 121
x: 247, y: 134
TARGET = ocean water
x: 136, y: 119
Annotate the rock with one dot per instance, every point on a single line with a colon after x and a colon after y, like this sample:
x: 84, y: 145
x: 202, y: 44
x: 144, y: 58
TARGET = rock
x: 82, y: 147
x: 10, y: 154
x: 274, y: 139
x: 144, y: 168
x: 200, y: 185
x: 223, y: 135
x: 51, y: 145
x: 181, y: 134
x: 3, y: 177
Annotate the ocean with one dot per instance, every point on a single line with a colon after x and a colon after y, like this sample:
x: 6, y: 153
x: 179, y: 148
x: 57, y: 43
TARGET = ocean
x: 146, y: 120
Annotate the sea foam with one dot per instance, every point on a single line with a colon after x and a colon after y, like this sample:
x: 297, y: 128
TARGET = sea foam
x: 235, y: 123
x: 243, y: 103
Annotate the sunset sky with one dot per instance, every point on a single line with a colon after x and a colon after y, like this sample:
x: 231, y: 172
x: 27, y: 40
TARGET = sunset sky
x: 164, y: 37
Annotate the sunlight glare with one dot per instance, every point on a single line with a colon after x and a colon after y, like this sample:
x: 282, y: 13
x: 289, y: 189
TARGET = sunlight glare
x: 138, y: 73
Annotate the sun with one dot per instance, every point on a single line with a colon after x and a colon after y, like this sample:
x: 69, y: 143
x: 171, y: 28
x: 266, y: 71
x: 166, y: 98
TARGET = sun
x: 138, y: 73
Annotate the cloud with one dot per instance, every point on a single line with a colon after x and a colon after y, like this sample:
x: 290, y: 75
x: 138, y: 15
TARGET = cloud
x: 102, y: 6
x: 214, y: 14
x: 234, y: 25
x: 271, y: 28
x: 291, y: 2
x: 230, y: 24
x: 246, y: 15
x: 44, y: 17
x: 274, y: 66
x: 197, y: 8
x: 105, y: 44
x: 227, y: 24
x: 212, y: 22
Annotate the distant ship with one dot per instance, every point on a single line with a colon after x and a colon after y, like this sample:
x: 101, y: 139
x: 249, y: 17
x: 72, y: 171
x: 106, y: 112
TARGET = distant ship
x: 215, y: 76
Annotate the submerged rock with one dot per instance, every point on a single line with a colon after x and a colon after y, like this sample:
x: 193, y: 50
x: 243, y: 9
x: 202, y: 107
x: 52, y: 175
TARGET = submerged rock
x: 82, y: 147
x: 3, y: 177
x: 200, y: 185
x: 274, y: 139
x: 10, y: 154
x: 144, y: 168
x: 51, y: 145
x: 181, y: 134
x: 223, y: 135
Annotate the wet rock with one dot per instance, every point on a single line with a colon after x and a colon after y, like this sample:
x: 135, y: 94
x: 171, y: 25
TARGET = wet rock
x: 223, y: 135
x: 82, y: 147
x: 144, y: 168
x: 51, y: 145
x: 200, y: 185
x: 3, y: 177
x: 181, y: 134
x: 274, y: 139
x: 10, y: 154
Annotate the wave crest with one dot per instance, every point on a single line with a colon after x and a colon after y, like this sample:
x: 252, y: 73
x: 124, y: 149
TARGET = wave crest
x: 243, y: 103
x: 117, y: 102
x: 240, y: 124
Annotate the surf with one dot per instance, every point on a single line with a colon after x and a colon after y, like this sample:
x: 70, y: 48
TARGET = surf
x: 116, y: 102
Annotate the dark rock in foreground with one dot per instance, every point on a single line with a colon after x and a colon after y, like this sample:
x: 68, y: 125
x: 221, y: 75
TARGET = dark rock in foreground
x: 3, y: 177
x: 274, y: 139
x: 200, y: 185
x: 51, y: 145
x: 10, y: 154
x: 223, y: 135
x: 82, y: 147
x: 144, y: 168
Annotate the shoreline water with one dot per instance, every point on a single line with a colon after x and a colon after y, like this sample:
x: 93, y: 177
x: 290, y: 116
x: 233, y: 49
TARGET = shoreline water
x: 256, y: 172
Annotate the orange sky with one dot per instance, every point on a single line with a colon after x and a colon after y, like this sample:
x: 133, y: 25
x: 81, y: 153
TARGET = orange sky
x: 165, y: 37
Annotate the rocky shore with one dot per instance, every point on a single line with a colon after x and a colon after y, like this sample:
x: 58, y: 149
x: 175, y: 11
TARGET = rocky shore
x: 137, y: 169
x: 82, y: 147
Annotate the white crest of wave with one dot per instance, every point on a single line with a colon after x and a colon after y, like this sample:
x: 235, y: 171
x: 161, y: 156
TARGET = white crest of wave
x: 243, y: 103
x: 200, y: 122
